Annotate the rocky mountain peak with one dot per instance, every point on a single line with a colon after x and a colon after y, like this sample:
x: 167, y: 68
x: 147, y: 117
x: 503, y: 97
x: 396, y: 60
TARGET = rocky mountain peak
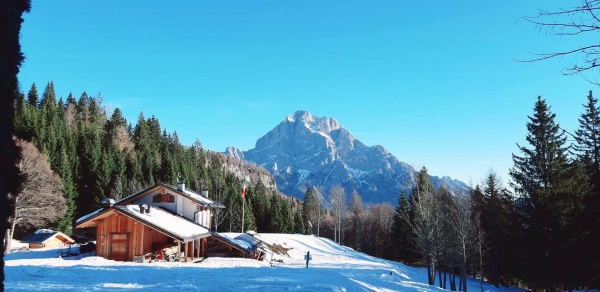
x: 305, y: 150
x: 324, y: 125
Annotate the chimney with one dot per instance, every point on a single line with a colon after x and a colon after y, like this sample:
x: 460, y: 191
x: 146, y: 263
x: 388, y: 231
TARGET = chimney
x: 107, y: 202
x: 180, y: 184
x: 143, y: 208
x: 204, y: 193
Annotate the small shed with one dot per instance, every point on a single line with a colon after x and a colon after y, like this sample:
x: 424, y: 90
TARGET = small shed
x: 47, y: 238
x: 243, y: 245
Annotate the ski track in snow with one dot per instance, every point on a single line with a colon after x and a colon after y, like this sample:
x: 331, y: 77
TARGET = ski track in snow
x: 332, y: 268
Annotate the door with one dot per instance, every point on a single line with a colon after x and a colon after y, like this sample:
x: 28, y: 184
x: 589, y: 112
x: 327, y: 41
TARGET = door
x: 119, y: 246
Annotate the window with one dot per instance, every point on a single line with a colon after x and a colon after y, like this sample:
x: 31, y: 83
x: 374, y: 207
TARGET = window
x: 163, y: 198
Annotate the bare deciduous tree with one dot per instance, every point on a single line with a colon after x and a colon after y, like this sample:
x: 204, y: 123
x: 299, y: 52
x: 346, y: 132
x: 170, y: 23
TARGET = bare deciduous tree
x: 40, y: 201
x: 319, y: 197
x: 479, y: 246
x: 382, y: 219
x: 459, y: 217
x: 571, y: 22
x: 337, y: 197
x: 356, y: 209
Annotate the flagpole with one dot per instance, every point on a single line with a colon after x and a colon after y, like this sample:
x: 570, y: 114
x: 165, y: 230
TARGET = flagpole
x: 243, y: 202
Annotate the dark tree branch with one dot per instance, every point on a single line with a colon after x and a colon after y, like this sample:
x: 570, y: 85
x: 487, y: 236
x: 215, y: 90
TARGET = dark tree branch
x: 582, y: 19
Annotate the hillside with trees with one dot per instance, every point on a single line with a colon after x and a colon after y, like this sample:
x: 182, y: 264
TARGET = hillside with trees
x: 541, y: 231
x: 98, y: 154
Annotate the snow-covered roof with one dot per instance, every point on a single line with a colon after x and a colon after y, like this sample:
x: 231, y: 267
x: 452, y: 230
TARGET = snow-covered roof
x: 82, y: 218
x: 129, y: 199
x: 42, y: 235
x: 166, y: 222
x: 243, y: 241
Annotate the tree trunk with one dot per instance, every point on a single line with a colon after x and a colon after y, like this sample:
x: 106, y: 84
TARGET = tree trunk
x: 7, y: 242
x: 440, y: 277
x: 445, y: 276
x: 11, y: 232
x: 463, y: 275
x: 430, y: 274
x: 452, y: 281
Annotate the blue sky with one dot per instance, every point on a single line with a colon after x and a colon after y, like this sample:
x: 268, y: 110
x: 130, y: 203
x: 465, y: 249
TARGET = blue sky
x: 434, y: 82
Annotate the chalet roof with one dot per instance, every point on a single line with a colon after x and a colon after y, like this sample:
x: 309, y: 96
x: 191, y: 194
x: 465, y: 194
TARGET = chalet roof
x: 243, y: 242
x: 195, y: 197
x: 187, y: 193
x: 42, y: 235
x: 165, y: 222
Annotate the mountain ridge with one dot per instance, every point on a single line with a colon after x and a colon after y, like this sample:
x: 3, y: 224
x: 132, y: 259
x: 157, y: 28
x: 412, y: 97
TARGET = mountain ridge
x: 305, y: 150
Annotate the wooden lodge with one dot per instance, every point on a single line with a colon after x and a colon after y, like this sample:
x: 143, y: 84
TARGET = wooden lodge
x: 146, y: 223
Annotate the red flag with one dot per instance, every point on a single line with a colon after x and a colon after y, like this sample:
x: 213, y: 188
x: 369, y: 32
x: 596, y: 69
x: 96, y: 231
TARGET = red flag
x: 244, y: 188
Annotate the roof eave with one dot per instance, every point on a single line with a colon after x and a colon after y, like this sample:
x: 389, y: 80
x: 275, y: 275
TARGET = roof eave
x: 162, y: 230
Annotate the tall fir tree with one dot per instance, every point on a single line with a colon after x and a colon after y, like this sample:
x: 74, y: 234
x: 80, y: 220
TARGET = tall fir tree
x: 33, y: 96
x: 492, y: 222
x: 299, y: 222
x: 588, y: 137
x: 309, y: 211
x: 262, y: 207
x: 588, y: 151
x: 276, y: 215
x: 401, y: 233
x: 551, y: 193
x: 287, y: 216
x: 65, y: 172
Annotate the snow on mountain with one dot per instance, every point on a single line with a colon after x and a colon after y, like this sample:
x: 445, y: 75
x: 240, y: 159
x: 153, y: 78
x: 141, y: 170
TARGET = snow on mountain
x: 332, y: 268
x: 305, y: 150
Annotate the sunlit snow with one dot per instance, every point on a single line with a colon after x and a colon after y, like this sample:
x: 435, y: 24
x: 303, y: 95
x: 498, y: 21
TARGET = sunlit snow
x: 332, y: 268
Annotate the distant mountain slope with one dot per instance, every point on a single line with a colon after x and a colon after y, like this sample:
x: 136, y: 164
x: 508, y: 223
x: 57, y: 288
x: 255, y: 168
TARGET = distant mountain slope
x: 304, y: 150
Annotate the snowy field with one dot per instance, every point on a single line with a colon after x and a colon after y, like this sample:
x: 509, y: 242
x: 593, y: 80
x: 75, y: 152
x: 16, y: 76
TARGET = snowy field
x: 332, y: 268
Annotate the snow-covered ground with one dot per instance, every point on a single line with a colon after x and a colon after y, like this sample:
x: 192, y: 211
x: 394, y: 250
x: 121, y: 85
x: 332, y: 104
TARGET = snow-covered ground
x: 332, y: 268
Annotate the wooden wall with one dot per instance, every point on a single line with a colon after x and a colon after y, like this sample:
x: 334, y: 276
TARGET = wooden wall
x: 51, y: 242
x: 139, y: 237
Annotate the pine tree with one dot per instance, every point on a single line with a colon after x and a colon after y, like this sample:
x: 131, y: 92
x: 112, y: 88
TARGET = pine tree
x: 262, y: 207
x: 48, y: 138
x: 249, y: 220
x: 551, y: 192
x: 119, y: 177
x: 299, y: 222
x: 276, y: 215
x: 287, y: 217
x: 33, y: 96
x: 29, y: 121
x: 493, y: 221
x: 588, y: 151
x: 309, y: 211
x: 401, y: 233
x: 66, y: 222
x: 19, y: 115
x: 588, y: 137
